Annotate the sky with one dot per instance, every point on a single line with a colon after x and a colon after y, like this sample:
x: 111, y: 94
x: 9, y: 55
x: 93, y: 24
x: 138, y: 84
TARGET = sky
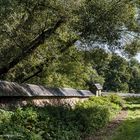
x: 138, y: 57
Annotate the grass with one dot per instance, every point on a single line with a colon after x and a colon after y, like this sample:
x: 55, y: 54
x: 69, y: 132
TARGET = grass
x: 130, y: 129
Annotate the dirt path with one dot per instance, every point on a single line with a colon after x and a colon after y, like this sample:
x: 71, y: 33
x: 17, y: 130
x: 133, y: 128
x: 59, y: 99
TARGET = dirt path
x: 110, y: 128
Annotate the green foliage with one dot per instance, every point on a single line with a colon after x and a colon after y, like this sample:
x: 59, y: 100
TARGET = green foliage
x: 102, y: 110
x: 116, y: 100
x: 91, y: 117
x: 85, y: 24
x: 72, y: 71
x: 118, y: 75
x: 5, y: 115
x: 132, y: 48
x: 109, y: 103
x: 102, y: 15
x: 58, y: 122
x: 135, y: 76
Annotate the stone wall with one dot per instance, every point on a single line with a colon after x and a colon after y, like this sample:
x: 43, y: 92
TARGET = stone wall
x: 15, y: 94
x: 6, y: 102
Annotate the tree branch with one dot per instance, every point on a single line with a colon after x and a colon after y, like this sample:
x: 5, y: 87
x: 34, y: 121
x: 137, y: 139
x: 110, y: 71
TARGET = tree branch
x: 32, y: 46
x: 49, y: 61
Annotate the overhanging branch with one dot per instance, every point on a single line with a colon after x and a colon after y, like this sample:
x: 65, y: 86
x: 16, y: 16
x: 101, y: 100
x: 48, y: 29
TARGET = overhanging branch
x: 40, y: 68
x: 32, y: 46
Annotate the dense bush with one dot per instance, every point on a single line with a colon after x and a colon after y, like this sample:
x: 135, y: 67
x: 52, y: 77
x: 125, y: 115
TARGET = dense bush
x: 58, y: 123
x: 91, y: 118
x: 116, y: 99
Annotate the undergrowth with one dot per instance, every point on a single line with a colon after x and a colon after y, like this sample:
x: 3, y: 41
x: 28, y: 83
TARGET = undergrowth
x: 58, y: 122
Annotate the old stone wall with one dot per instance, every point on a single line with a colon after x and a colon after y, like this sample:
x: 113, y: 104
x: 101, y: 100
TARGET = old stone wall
x: 18, y: 101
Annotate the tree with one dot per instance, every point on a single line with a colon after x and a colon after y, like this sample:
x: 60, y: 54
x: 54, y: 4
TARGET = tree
x: 69, y: 72
x: 134, y: 84
x: 35, y: 33
x: 118, y: 75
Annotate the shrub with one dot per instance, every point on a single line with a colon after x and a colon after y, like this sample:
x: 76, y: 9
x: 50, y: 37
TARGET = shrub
x: 58, y: 122
x: 5, y: 115
x: 106, y: 101
x: 92, y: 118
x: 116, y: 99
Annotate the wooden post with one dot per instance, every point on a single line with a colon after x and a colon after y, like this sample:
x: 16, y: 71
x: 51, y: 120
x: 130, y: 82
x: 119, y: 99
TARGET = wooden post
x: 97, y: 94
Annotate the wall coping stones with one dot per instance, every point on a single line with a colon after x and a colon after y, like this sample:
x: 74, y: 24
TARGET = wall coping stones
x: 12, y: 89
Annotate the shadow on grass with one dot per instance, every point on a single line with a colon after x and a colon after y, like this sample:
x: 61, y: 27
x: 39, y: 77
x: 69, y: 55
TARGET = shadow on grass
x: 129, y: 130
x: 132, y: 108
x: 133, y: 100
